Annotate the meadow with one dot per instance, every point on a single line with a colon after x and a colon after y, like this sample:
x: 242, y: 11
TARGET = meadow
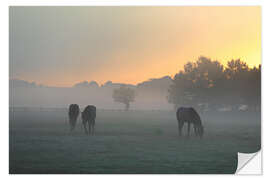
x: 132, y: 142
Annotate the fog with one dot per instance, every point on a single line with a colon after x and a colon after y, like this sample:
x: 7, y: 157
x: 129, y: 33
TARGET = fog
x: 149, y: 95
x: 145, y: 62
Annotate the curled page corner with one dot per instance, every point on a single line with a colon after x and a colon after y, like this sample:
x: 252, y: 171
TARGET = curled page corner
x: 249, y: 163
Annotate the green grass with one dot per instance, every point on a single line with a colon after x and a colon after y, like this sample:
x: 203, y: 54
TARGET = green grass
x: 129, y: 142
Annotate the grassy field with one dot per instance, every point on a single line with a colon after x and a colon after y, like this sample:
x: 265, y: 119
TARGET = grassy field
x: 129, y: 142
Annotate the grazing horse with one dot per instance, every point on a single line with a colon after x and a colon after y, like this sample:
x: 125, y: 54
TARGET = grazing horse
x: 89, y: 116
x: 190, y: 116
x: 73, y: 114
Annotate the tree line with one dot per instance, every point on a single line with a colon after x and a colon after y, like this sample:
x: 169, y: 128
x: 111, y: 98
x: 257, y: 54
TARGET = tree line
x: 207, y: 84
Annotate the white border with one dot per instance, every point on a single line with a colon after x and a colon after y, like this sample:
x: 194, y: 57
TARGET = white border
x: 4, y: 78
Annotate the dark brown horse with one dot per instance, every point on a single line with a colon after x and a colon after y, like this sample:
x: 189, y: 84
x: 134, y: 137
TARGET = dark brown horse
x: 89, y: 117
x: 73, y: 114
x: 190, y: 116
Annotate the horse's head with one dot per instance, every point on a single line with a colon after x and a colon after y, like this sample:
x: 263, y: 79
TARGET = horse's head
x: 200, y: 131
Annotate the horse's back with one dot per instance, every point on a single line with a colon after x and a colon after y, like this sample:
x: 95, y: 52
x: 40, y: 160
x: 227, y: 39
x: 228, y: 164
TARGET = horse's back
x: 89, y: 113
x: 182, y: 113
x: 90, y: 109
x: 188, y: 114
x: 73, y: 110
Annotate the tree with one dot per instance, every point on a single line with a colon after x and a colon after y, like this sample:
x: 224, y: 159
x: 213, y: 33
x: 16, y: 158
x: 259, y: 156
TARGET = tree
x: 255, y: 89
x: 196, y: 84
x: 180, y: 90
x: 124, y: 95
x: 242, y: 84
x: 207, y: 82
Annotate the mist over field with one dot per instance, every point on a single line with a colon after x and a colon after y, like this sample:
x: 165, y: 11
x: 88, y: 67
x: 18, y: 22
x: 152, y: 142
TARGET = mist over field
x: 136, y: 126
x: 150, y: 94
x: 143, y: 139
x: 138, y: 78
x: 129, y: 142
x: 137, y: 129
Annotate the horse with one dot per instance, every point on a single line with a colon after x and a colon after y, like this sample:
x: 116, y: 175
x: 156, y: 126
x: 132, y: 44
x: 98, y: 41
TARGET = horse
x: 190, y: 116
x: 73, y: 114
x: 89, y: 116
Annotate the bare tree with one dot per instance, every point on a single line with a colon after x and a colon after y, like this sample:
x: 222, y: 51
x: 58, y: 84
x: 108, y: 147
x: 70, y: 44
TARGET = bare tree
x: 124, y: 95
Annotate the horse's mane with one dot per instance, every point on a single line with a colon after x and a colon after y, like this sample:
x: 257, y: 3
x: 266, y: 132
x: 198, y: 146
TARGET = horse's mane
x: 194, y: 111
x: 196, y: 114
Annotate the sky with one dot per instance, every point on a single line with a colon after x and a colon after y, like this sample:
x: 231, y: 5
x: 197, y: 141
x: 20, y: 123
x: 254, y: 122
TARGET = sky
x: 61, y: 46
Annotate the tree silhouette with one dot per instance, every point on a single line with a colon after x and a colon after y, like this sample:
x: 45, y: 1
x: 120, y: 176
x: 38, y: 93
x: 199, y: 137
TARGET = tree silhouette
x: 206, y: 82
x: 196, y: 84
x: 243, y: 83
x: 124, y: 95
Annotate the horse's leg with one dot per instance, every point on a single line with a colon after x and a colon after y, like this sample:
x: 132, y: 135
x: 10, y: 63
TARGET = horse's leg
x: 188, y: 129
x: 71, y: 128
x: 85, y: 128
x: 180, y: 126
x: 71, y: 122
x: 89, y: 125
x: 200, y: 128
x: 195, y: 130
x: 93, y: 129
x: 93, y: 125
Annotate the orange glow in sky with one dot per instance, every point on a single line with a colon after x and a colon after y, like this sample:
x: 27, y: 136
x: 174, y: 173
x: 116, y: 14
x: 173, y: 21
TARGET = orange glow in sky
x: 133, y: 44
